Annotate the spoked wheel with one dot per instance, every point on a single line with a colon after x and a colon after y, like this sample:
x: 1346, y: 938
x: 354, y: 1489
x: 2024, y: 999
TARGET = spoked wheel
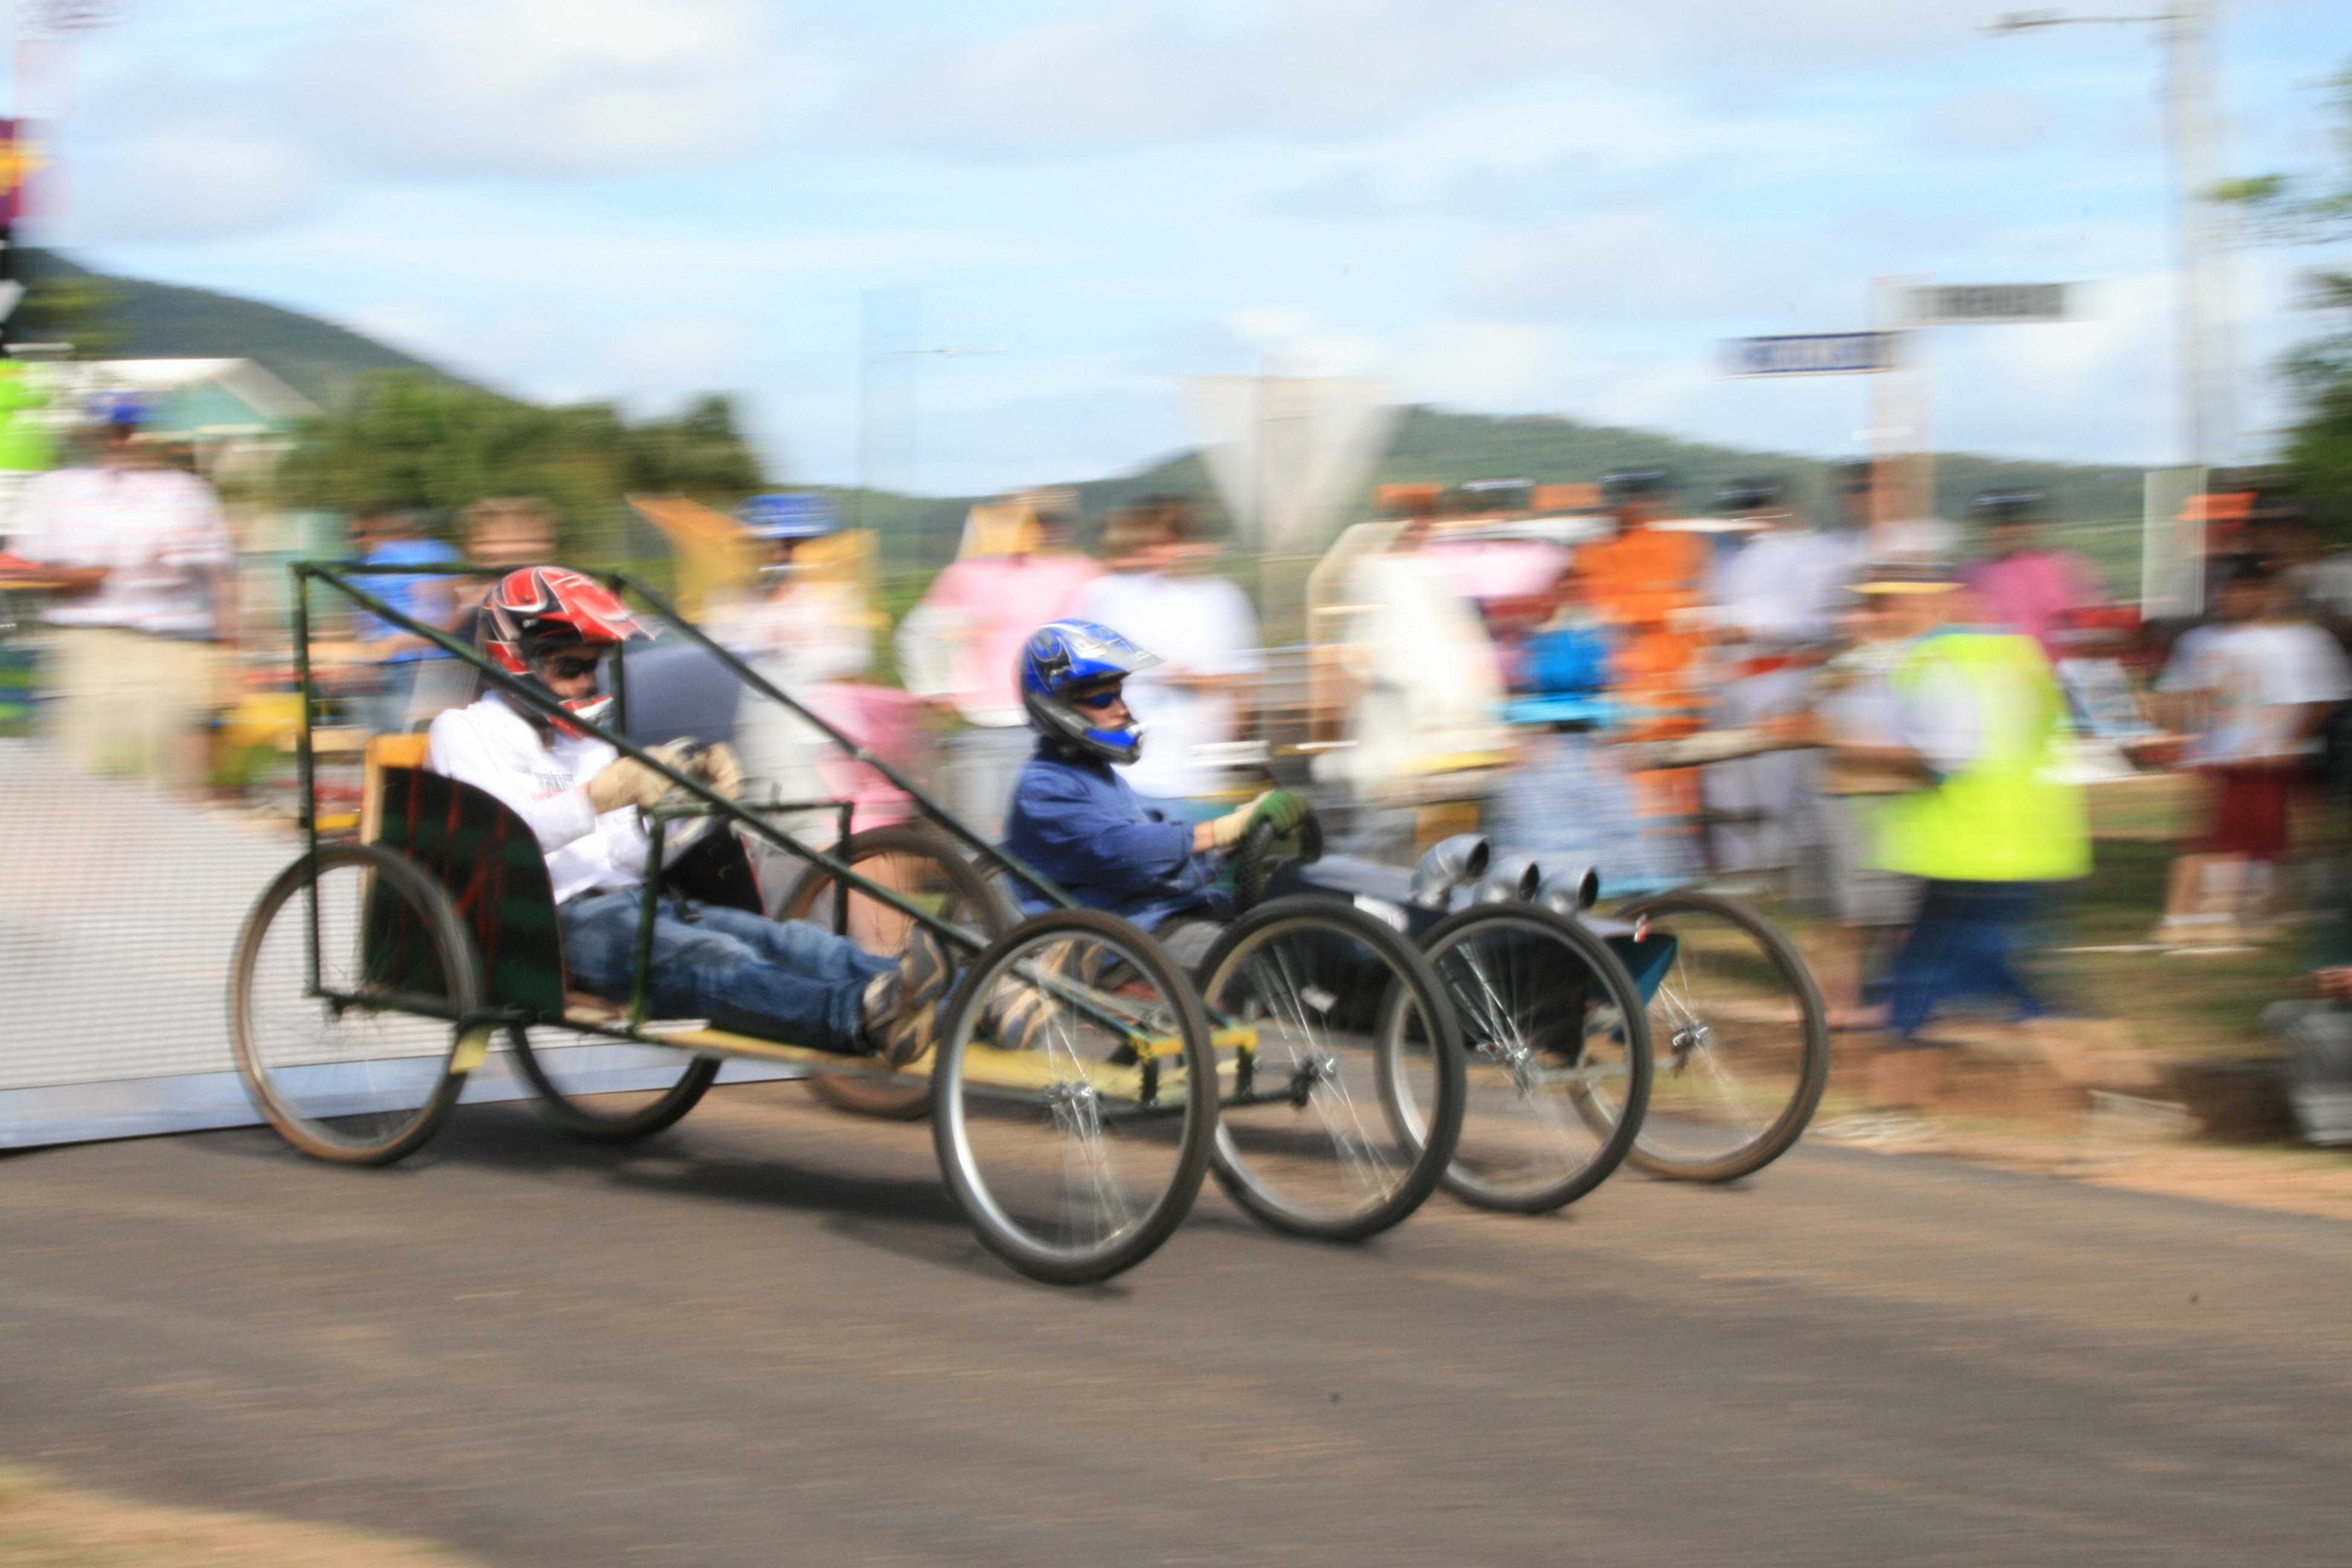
x: 1742, y: 1038
x: 1559, y: 1056
x: 1352, y: 1098
x: 1074, y: 1096
x: 926, y: 869
x: 351, y: 1002
x: 603, y: 1090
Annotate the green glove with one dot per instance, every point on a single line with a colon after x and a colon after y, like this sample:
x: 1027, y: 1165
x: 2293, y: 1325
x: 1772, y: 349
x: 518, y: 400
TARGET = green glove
x: 1286, y: 809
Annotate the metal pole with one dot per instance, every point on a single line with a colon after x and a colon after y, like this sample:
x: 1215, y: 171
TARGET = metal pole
x: 2207, y: 415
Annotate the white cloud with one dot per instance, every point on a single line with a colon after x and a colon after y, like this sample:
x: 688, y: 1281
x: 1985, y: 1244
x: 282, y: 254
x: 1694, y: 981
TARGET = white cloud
x: 537, y: 87
x: 431, y: 89
x: 1109, y: 76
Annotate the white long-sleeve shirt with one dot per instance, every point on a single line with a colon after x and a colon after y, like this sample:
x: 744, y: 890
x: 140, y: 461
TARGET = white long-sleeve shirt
x: 493, y: 748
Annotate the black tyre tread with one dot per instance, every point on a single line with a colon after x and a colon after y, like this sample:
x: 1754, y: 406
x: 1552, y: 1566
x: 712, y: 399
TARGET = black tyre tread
x: 1200, y: 1067
x: 1445, y: 1117
x: 1618, y: 1147
x: 1783, y: 1135
x: 463, y: 977
x: 581, y: 1122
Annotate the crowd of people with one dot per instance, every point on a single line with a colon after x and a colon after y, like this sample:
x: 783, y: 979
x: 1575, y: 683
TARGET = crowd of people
x: 1886, y: 719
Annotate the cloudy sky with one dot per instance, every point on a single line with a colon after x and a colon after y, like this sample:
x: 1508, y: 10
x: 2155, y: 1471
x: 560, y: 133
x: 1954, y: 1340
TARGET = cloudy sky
x: 1507, y: 205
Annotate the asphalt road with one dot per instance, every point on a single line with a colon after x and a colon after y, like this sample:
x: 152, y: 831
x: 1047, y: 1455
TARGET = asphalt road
x: 766, y: 1338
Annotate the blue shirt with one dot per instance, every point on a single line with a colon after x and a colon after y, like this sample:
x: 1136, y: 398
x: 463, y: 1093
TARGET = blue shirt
x: 1085, y: 827
x: 400, y: 591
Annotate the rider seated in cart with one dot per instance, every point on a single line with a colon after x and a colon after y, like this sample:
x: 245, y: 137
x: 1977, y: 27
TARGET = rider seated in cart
x: 1076, y: 819
x: 783, y: 980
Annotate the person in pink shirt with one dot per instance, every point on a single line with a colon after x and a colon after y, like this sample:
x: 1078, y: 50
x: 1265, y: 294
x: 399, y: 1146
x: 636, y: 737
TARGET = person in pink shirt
x: 2031, y: 589
x: 961, y: 646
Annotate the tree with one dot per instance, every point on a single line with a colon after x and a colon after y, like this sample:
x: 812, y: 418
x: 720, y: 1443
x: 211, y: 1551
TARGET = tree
x: 2288, y: 209
x: 439, y: 444
x: 82, y: 312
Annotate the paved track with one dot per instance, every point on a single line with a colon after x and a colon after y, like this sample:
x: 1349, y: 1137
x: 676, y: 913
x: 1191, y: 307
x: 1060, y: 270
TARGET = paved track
x: 766, y: 1338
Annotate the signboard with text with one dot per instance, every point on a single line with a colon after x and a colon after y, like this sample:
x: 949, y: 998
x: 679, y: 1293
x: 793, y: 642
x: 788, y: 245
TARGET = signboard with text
x: 1811, y: 354
x: 1959, y: 304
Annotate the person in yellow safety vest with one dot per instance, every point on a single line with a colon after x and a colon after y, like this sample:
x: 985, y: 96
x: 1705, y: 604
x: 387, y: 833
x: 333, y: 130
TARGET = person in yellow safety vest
x: 1981, y: 723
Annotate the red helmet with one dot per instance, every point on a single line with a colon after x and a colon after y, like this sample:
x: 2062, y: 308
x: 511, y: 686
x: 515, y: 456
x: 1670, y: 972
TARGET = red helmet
x: 541, y: 610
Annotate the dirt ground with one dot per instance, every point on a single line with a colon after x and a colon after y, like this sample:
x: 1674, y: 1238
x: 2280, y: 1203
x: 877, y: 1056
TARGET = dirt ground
x: 44, y: 1525
x: 2277, y: 1178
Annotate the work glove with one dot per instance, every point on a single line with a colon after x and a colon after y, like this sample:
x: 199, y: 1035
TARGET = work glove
x: 1283, y: 808
x: 625, y: 781
x: 720, y: 768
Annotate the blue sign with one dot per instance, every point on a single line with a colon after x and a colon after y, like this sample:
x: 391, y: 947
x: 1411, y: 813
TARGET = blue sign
x: 1811, y: 354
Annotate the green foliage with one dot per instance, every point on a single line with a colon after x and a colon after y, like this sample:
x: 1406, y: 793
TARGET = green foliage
x: 83, y: 312
x: 441, y: 443
x: 698, y: 454
x: 2285, y: 210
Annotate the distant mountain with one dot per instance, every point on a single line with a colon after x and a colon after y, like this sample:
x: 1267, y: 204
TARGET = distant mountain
x: 163, y: 321
x: 2099, y: 507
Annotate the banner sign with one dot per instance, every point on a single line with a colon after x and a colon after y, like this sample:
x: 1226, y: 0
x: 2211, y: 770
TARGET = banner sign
x: 1962, y: 303
x: 1811, y: 354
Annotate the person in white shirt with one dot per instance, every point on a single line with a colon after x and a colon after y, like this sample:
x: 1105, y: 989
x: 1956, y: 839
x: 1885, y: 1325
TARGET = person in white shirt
x: 144, y: 611
x: 2255, y: 691
x: 1778, y: 601
x: 780, y: 980
x: 1160, y: 595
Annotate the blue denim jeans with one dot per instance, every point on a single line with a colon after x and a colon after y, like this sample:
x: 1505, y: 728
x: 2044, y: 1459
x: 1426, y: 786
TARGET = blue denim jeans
x: 1960, y: 946
x: 780, y: 980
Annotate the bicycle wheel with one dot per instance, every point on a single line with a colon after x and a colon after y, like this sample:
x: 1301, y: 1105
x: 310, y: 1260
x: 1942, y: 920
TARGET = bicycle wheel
x: 1558, y: 1050
x: 1354, y: 1093
x: 351, y: 1004
x: 1742, y: 1038
x: 928, y: 871
x: 1074, y: 1096
x: 607, y: 1091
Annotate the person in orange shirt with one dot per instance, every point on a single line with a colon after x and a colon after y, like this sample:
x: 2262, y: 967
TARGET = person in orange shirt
x: 1647, y: 586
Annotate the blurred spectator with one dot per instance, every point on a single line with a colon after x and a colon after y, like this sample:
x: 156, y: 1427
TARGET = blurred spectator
x: 1857, y: 719
x: 806, y: 625
x: 2254, y: 689
x: 386, y: 535
x: 1568, y: 798
x: 1979, y: 720
x: 2024, y: 585
x: 1646, y: 584
x: 961, y: 644
x: 503, y: 533
x: 27, y: 445
x: 145, y: 614
x: 1161, y: 596
x: 1424, y: 693
x: 1779, y: 597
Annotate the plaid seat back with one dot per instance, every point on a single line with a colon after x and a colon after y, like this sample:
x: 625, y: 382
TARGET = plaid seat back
x: 488, y: 859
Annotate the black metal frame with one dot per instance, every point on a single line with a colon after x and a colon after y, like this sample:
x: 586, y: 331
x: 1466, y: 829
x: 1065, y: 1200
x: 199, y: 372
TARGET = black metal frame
x: 710, y: 803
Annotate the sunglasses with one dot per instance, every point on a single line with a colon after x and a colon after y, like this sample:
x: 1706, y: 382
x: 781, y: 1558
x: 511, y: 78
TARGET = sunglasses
x: 573, y: 667
x: 1097, y: 700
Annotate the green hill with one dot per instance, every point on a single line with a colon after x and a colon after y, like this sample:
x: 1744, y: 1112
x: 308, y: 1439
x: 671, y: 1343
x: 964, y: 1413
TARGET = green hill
x: 2100, y: 506
x: 163, y: 321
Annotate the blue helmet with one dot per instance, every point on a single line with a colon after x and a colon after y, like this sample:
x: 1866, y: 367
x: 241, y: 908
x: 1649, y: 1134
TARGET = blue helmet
x: 1063, y: 655
x: 789, y: 516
